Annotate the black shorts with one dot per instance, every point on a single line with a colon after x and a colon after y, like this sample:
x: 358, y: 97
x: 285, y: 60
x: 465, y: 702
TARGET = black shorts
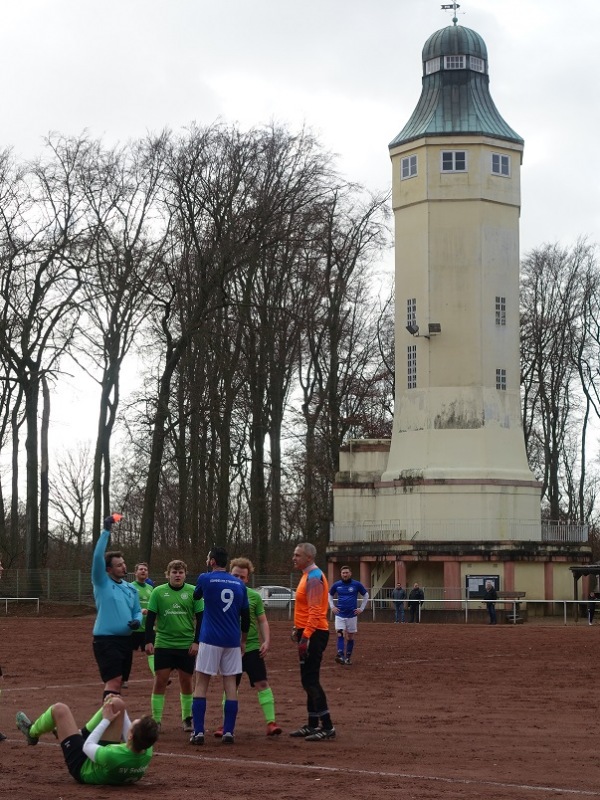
x: 72, y: 748
x: 254, y: 666
x: 138, y: 640
x: 113, y: 656
x: 174, y: 658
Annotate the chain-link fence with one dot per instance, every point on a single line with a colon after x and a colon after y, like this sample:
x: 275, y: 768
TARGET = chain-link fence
x: 75, y: 586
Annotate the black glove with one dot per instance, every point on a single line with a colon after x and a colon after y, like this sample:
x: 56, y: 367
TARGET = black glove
x: 294, y: 636
x: 134, y: 624
x: 303, y: 649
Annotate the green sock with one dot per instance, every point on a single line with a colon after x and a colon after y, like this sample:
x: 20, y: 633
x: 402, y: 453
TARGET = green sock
x: 186, y: 705
x: 43, y: 724
x: 157, y: 703
x: 151, y: 663
x: 267, y: 702
x: 93, y: 723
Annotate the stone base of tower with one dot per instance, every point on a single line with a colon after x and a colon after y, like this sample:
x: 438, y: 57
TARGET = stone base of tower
x: 440, y: 532
x: 420, y: 509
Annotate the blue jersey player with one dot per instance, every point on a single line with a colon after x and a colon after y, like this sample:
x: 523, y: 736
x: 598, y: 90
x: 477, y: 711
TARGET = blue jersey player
x: 225, y: 623
x: 343, y: 601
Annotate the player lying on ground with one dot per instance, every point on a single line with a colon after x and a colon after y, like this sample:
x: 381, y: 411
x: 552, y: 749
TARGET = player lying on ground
x: 110, y: 749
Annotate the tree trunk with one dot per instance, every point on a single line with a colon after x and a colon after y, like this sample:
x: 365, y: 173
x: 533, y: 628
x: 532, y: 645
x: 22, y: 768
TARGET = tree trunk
x: 44, y: 472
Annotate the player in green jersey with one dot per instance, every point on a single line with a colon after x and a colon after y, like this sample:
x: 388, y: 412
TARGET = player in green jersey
x: 126, y: 748
x: 138, y: 638
x: 173, y: 608
x: 257, y: 646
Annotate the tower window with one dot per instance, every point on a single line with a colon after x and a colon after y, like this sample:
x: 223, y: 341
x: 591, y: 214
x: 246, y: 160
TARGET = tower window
x: 408, y: 167
x: 501, y: 165
x: 454, y: 160
x: 477, y: 64
x: 454, y: 62
x: 433, y: 65
x: 411, y: 366
x: 411, y: 311
x: 501, y: 379
x: 500, y: 310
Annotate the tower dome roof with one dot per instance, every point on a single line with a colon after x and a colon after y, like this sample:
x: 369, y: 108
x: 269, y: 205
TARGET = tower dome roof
x: 452, y: 41
x: 455, y: 98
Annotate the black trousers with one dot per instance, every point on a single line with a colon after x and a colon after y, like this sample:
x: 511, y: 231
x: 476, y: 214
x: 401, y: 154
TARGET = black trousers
x: 316, y: 701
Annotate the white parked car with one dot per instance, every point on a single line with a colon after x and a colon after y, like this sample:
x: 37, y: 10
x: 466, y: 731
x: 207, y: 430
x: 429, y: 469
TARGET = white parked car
x: 276, y: 596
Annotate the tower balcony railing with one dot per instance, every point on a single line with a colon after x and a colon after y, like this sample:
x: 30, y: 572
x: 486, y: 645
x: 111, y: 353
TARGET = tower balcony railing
x: 456, y: 530
x: 567, y: 532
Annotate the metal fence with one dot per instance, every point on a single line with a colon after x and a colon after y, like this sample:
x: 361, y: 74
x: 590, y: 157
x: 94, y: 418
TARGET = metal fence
x: 30, y: 587
x: 75, y: 586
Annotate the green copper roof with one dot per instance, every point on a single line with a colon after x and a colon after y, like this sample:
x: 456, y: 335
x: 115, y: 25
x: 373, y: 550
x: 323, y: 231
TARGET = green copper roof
x: 454, y: 40
x: 455, y: 101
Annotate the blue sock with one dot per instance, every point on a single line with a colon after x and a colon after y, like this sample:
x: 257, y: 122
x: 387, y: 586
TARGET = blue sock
x: 349, y: 647
x: 340, y: 644
x: 198, y: 713
x: 230, y: 710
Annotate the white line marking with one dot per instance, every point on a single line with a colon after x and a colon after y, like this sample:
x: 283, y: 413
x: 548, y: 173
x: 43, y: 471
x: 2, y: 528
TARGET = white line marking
x: 370, y: 773
x: 377, y: 774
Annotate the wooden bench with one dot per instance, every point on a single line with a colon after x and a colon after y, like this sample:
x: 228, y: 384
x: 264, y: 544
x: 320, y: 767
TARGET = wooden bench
x: 513, y: 608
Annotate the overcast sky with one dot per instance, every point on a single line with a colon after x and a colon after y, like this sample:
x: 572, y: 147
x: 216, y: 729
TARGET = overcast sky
x: 350, y: 71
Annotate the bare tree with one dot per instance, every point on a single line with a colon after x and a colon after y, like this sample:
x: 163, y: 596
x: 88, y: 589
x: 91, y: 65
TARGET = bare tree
x: 340, y: 341
x: 557, y: 289
x: 44, y: 251
x: 120, y: 187
x: 72, y: 496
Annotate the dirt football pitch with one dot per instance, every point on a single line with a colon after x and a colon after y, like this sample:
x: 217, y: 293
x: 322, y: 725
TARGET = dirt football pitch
x: 425, y: 711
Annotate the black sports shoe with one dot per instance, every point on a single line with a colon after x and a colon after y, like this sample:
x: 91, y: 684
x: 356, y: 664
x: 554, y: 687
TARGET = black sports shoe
x: 188, y: 725
x: 227, y: 738
x: 303, y: 732
x: 197, y: 738
x: 348, y: 661
x: 321, y: 735
x: 2, y: 737
x: 339, y: 659
x: 24, y: 725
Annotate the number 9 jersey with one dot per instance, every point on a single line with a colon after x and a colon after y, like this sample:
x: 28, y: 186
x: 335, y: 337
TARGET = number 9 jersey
x: 225, y: 598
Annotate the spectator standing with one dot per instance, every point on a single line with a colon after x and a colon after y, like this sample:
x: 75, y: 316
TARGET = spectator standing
x: 591, y: 609
x: 416, y: 598
x: 119, y: 612
x: 346, y: 611
x: 311, y: 632
x: 490, y: 596
x: 398, y: 596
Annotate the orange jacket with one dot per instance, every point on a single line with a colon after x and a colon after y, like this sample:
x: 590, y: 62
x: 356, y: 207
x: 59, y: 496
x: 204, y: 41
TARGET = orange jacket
x: 312, y: 605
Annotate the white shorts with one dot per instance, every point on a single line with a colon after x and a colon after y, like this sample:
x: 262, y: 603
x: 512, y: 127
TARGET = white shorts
x: 213, y: 660
x: 348, y: 624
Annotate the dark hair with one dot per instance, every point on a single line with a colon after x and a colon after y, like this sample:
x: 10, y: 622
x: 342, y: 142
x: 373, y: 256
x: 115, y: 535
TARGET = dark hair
x: 144, y: 734
x: 219, y: 554
x: 108, y: 557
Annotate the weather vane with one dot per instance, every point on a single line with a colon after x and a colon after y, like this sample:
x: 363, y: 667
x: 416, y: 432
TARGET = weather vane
x: 452, y: 7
